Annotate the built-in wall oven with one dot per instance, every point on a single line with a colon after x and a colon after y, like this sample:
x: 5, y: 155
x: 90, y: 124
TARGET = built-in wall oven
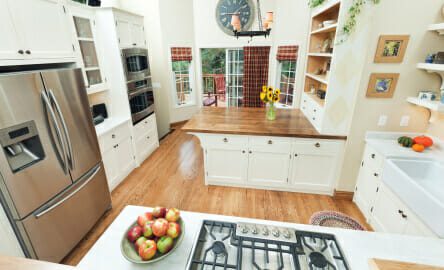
x: 141, y: 99
x: 140, y: 89
x: 136, y: 64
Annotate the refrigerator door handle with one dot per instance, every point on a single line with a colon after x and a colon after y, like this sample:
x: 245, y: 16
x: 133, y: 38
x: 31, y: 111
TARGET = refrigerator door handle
x: 52, y: 117
x: 58, y: 201
x: 65, y: 129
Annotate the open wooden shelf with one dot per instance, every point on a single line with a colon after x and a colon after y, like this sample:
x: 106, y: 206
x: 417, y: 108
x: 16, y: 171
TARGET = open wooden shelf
x: 327, y: 29
x: 316, y: 99
x: 320, y: 54
x: 320, y: 78
x: 438, y: 27
x: 431, y: 105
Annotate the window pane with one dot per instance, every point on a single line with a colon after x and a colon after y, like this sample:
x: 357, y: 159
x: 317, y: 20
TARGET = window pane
x: 287, y: 81
x: 83, y: 27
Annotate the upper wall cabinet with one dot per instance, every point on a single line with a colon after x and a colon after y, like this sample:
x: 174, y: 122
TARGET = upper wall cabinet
x: 37, y: 31
x: 130, y: 30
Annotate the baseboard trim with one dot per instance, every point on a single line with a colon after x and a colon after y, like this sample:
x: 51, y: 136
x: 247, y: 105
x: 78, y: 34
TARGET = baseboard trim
x: 343, y: 195
x: 175, y: 125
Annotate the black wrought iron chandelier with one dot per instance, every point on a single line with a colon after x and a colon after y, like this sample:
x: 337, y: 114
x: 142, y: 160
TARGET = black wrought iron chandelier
x: 264, y: 26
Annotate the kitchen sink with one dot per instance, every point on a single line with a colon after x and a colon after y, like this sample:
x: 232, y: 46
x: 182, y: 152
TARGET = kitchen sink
x: 420, y: 184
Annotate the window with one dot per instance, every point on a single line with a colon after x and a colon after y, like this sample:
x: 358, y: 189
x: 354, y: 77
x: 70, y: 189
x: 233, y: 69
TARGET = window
x: 286, y: 81
x: 182, y: 76
x: 222, y: 77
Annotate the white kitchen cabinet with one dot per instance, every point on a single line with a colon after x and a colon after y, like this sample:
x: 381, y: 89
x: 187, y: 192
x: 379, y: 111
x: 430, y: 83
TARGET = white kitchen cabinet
x: 369, y: 180
x: 276, y: 163
x: 269, y: 161
x: 146, y: 138
x: 40, y: 30
x: 130, y: 30
x: 390, y: 215
x: 226, y: 165
x: 117, y: 154
x: 10, y: 44
x: 315, y: 165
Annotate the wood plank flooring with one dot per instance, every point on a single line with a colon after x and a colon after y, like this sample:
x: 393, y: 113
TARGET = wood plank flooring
x: 173, y: 176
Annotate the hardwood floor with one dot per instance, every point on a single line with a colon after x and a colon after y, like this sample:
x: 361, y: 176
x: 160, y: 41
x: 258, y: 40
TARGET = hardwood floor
x: 173, y: 176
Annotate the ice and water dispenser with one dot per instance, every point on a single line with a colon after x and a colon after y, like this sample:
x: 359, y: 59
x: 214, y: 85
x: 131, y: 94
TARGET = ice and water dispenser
x: 21, y: 145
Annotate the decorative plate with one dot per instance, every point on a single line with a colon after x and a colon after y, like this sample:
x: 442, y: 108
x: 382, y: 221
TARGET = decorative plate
x: 130, y: 253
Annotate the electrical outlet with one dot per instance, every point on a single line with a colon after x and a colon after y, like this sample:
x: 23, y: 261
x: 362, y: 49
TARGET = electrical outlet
x: 382, y: 120
x: 404, y: 121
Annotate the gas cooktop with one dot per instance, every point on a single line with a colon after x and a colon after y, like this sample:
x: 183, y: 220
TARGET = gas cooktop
x: 223, y: 245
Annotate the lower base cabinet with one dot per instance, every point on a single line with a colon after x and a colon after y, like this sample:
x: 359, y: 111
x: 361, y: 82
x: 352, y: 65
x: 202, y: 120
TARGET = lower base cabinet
x: 118, y: 162
x: 288, y: 164
x: 146, y: 138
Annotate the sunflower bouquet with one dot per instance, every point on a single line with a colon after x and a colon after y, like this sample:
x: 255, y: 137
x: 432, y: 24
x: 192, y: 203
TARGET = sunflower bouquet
x: 270, y: 96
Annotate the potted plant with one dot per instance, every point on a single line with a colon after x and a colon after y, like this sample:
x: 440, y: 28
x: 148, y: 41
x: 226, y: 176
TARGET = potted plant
x: 270, y: 96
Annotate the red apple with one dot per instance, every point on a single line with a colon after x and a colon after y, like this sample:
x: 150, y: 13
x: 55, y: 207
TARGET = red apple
x: 147, y: 250
x: 142, y: 219
x: 172, y: 215
x: 173, y: 230
x: 139, y: 242
x: 160, y: 227
x: 147, y: 229
x: 159, y: 212
x: 134, y: 233
x: 165, y: 244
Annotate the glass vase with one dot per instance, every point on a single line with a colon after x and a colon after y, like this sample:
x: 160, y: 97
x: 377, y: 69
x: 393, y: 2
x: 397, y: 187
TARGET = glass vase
x: 271, y: 112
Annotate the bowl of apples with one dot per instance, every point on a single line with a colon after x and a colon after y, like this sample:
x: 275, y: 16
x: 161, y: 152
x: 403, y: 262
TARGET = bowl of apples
x: 153, y: 236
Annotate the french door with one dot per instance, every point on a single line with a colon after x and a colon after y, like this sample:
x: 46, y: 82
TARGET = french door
x: 234, y: 75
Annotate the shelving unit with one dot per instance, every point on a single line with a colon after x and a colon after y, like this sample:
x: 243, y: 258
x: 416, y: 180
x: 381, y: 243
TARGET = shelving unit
x: 436, y: 106
x: 438, y: 27
x: 319, y: 58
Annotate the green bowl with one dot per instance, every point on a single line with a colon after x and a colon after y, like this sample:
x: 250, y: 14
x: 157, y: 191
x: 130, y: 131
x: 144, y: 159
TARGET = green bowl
x: 129, y: 251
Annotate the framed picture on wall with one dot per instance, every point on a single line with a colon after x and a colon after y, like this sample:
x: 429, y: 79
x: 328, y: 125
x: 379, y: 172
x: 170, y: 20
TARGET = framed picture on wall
x: 382, y: 85
x: 391, y: 48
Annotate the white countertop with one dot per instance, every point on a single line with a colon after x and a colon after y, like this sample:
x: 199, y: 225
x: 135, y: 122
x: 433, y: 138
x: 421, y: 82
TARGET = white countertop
x: 109, y: 124
x: 386, y: 143
x: 357, y: 246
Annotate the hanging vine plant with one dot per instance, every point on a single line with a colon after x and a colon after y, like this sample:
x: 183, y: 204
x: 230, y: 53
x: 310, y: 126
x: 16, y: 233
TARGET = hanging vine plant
x: 353, y: 12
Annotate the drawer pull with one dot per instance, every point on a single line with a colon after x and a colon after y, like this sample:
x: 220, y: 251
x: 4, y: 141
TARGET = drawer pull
x: 373, y: 155
x: 243, y: 151
x: 314, y: 118
x: 270, y: 142
x: 376, y: 175
x: 146, y: 122
x: 250, y: 152
x: 314, y: 110
x: 225, y: 140
x: 21, y: 52
x: 113, y: 136
x: 115, y: 146
x: 317, y: 145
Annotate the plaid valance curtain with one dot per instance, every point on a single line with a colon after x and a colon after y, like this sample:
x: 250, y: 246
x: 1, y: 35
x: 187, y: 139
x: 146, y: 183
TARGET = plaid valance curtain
x: 181, y: 54
x: 256, y: 61
x: 287, y: 53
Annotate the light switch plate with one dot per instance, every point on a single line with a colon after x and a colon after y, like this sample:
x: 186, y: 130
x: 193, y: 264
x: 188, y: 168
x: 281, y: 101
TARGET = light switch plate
x: 404, y: 121
x: 382, y: 120
x: 157, y: 85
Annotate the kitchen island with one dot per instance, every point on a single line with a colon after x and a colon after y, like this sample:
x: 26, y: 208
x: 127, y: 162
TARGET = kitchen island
x: 244, y: 149
x: 357, y: 246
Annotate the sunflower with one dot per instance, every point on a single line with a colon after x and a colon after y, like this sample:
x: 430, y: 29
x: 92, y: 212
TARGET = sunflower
x: 264, y: 88
x: 276, y: 98
x: 278, y: 92
x: 270, y: 95
x: 270, y: 89
x: 263, y: 95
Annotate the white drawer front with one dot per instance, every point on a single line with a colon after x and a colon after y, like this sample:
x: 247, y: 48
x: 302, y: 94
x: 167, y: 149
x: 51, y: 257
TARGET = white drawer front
x: 270, y: 144
x: 226, y: 140
x: 145, y: 126
x: 373, y: 159
x: 318, y: 146
x: 113, y: 137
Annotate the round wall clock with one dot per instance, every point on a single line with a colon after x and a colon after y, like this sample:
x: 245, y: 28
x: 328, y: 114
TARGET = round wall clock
x: 225, y: 8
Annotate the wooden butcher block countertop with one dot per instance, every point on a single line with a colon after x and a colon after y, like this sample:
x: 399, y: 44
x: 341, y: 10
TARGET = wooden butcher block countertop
x: 252, y: 121
x: 377, y: 264
x: 15, y: 263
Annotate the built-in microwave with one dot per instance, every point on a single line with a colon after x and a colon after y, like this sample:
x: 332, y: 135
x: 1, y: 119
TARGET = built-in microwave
x: 141, y: 99
x: 135, y: 63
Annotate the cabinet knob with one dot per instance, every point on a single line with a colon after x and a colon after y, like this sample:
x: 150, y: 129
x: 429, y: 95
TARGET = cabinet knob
x: 376, y: 175
x: 303, y: 108
x: 148, y: 137
x: 317, y: 145
x: 225, y: 140
x: 270, y: 142
x: 314, y: 110
x: 314, y: 118
x: 28, y: 52
x: 250, y: 152
x: 243, y: 151
x: 373, y: 155
x: 21, y: 52
x: 134, y: 44
x: 403, y: 215
x: 295, y: 155
x: 113, y: 136
x: 146, y: 122
x: 400, y: 212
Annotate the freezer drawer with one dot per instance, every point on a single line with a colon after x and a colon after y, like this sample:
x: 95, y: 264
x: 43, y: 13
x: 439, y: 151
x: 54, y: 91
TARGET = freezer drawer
x: 55, y: 229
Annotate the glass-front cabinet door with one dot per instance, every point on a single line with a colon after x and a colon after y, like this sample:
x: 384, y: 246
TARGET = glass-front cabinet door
x: 87, y: 52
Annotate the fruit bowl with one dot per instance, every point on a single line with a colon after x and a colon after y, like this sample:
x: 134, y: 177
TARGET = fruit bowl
x: 129, y: 252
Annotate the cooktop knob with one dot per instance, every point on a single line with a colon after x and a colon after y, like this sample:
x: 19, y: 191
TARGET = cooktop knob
x: 286, y: 234
x: 275, y: 232
x: 265, y: 231
x: 244, y: 229
x: 254, y: 230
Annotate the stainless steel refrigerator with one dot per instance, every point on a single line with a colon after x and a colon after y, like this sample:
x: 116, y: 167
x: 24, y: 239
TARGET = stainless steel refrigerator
x: 54, y: 187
